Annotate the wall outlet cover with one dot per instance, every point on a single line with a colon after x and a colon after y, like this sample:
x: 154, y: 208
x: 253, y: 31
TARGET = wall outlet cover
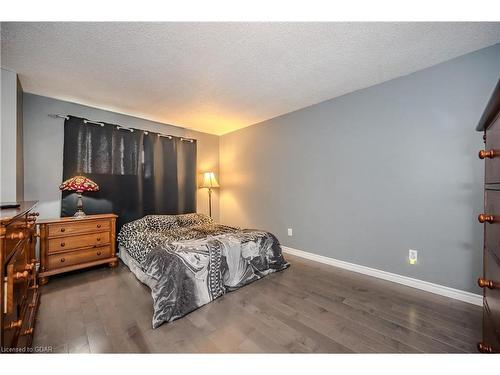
x: 290, y: 232
x: 413, y: 256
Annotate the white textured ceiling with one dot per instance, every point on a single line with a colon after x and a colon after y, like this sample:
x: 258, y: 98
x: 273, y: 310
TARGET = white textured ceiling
x: 218, y: 77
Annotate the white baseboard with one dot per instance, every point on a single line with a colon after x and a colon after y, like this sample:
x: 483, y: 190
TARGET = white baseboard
x: 475, y: 299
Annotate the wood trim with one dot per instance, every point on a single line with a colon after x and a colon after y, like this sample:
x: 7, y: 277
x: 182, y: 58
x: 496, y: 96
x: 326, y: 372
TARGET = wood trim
x: 77, y: 267
x: 9, y: 214
x: 113, y: 239
x: 461, y: 295
x: 491, y: 111
x: 72, y: 219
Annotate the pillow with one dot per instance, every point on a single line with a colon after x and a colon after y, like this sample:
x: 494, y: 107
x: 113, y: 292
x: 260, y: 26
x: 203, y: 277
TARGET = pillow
x: 161, y: 223
x: 188, y: 220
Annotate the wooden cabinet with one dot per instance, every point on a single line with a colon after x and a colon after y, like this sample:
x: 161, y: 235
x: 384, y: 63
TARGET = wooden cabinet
x: 19, y: 295
x: 69, y: 244
x: 490, y: 280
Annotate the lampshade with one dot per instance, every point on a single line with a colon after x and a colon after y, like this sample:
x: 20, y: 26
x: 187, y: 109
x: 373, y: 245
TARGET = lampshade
x: 79, y: 184
x: 209, y: 180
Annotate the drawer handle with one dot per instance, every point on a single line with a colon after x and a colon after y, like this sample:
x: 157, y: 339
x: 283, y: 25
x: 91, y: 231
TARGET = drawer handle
x: 27, y: 332
x: 30, y: 266
x: 13, y: 325
x: 63, y: 229
x: 99, y: 253
x: 483, y: 218
x: 63, y: 244
x: 98, y: 225
x: 98, y: 238
x: 490, y: 154
x: 21, y: 275
x: 484, y: 348
x: 485, y: 283
x: 16, y: 236
x: 63, y: 260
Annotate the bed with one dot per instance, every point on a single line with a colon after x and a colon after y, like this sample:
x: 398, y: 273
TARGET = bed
x: 189, y: 260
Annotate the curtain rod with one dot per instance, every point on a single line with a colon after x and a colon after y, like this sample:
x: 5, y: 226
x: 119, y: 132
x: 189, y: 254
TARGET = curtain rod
x: 85, y: 121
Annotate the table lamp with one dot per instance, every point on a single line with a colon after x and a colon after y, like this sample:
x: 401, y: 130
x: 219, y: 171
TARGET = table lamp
x: 79, y: 184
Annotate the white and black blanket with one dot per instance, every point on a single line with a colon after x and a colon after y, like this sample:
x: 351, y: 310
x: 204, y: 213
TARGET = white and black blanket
x: 188, y: 260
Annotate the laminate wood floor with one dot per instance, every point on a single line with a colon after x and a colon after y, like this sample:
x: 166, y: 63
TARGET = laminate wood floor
x: 310, y: 307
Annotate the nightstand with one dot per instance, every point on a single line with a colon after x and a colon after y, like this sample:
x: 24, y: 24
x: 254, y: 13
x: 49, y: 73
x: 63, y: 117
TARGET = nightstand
x: 68, y: 244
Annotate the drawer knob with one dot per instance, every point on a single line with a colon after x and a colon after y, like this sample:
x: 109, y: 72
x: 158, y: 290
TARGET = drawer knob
x: 63, y: 229
x: 63, y: 260
x: 16, y: 236
x: 14, y: 324
x: 99, y: 253
x: 98, y: 238
x: 484, y: 348
x: 483, y: 218
x: 98, y: 225
x: 490, y: 154
x: 63, y: 244
x: 485, y: 283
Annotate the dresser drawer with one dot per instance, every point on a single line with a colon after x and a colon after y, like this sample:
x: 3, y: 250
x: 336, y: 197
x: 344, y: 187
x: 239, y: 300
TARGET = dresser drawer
x: 77, y: 257
x: 492, y: 166
x: 28, y: 322
x: 491, y: 334
x: 76, y: 242
x: 75, y: 227
x: 15, y: 233
x: 492, y: 231
x: 492, y: 272
x: 16, y: 285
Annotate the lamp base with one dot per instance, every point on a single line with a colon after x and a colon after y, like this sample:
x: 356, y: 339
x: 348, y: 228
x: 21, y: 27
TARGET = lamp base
x: 210, y: 202
x: 79, y: 214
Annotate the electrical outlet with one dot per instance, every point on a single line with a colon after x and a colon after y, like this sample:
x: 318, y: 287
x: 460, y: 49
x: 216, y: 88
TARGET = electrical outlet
x: 290, y: 232
x: 413, y: 256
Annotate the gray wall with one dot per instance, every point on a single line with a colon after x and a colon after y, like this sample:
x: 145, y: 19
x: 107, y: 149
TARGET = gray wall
x: 43, y: 149
x: 367, y: 176
x: 11, y: 164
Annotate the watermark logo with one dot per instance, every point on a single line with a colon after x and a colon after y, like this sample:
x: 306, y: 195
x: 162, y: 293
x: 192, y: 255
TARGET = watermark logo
x: 34, y: 349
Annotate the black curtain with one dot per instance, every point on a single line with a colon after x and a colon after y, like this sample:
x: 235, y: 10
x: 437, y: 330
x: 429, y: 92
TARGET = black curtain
x: 138, y: 173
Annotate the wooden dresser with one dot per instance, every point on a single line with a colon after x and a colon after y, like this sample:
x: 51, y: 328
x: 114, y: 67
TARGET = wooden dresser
x: 490, y: 280
x: 19, y: 295
x: 68, y: 244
